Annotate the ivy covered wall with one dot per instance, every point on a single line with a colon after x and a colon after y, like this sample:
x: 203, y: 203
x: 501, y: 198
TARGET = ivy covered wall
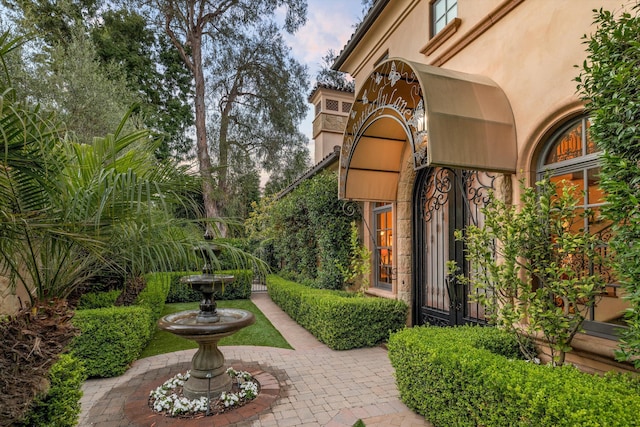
x: 305, y: 234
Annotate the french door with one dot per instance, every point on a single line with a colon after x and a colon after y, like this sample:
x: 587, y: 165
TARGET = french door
x: 445, y: 200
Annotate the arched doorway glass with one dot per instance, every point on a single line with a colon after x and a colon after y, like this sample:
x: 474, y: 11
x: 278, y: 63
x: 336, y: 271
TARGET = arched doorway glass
x: 571, y: 156
x: 445, y: 200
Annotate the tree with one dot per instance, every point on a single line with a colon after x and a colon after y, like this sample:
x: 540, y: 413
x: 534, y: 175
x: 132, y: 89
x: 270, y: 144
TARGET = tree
x: 128, y: 52
x: 189, y: 25
x: 259, y: 90
x: 153, y: 71
x: 608, y: 83
x: 55, y: 21
x: 530, y: 266
x: 333, y: 78
x: 89, y: 97
x: 293, y: 162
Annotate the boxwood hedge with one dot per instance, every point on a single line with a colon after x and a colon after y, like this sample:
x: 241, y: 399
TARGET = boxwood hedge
x: 339, y: 319
x: 240, y: 288
x: 60, y: 406
x: 470, y: 376
x: 98, y: 299
x: 113, y: 337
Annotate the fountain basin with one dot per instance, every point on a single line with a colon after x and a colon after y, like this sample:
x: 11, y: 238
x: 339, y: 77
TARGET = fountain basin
x: 187, y: 325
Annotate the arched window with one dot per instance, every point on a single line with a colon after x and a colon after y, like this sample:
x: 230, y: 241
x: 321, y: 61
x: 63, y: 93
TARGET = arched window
x: 572, y: 156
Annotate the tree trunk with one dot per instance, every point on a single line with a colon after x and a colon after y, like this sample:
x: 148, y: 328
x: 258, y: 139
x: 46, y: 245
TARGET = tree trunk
x: 202, y: 150
x: 223, y: 151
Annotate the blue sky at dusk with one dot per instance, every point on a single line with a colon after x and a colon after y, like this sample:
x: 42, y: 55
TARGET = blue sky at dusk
x: 330, y: 24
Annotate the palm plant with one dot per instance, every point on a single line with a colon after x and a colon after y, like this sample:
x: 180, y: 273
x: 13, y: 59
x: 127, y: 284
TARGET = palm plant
x: 69, y: 211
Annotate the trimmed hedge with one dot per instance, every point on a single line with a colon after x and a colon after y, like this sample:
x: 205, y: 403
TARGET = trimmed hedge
x: 113, y: 337
x: 454, y: 377
x: 60, y: 407
x: 339, y: 319
x: 98, y: 299
x: 240, y: 288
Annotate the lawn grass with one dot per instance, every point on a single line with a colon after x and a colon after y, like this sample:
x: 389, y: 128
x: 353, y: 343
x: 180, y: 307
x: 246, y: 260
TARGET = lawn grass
x: 261, y: 333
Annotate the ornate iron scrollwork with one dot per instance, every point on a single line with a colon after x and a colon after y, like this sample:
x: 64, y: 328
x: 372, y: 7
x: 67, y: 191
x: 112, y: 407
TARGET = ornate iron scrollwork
x: 433, y: 320
x: 436, y: 192
x: 351, y: 208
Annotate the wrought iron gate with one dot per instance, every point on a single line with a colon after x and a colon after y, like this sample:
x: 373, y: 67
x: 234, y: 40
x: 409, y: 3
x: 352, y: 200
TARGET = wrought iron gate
x: 445, y: 200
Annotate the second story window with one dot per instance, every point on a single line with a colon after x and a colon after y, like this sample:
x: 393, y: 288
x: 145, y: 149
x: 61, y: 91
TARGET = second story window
x: 442, y: 12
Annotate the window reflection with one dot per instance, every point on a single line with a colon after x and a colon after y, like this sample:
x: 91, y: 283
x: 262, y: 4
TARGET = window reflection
x: 568, y: 160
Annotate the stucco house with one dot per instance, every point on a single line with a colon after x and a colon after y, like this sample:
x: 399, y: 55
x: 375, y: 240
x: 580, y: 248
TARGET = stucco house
x: 453, y: 98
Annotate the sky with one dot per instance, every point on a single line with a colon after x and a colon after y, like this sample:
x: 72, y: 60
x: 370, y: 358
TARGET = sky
x: 330, y: 24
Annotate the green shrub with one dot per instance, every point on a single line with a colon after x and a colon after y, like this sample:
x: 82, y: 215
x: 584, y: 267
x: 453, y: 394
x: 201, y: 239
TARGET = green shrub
x: 154, y: 295
x: 308, y: 231
x: 111, y: 338
x: 98, y: 299
x: 339, y: 319
x: 453, y: 377
x: 240, y: 288
x: 181, y: 292
x: 60, y: 407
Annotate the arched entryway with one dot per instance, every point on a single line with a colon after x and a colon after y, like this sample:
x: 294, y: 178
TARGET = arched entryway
x: 442, y: 122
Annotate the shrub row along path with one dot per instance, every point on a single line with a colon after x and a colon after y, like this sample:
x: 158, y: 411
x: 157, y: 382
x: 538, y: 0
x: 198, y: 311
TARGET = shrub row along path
x: 309, y: 386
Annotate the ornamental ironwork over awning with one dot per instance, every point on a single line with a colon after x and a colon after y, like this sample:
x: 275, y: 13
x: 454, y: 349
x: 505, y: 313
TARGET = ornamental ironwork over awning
x: 448, y: 118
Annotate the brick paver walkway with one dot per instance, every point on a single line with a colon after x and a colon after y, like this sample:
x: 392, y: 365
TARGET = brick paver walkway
x: 311, y: 385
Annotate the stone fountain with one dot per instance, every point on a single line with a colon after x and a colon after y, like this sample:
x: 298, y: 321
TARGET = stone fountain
x: 206, y: 327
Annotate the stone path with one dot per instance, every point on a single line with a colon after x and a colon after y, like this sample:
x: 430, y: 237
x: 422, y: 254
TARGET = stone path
x: 311, y: 385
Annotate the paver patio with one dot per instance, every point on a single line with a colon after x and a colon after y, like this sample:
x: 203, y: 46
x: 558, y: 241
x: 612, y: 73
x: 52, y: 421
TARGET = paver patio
x: 311, y: 385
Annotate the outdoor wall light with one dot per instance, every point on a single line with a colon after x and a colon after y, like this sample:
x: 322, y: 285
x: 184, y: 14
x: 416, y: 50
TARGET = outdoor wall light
x: 418, y: 121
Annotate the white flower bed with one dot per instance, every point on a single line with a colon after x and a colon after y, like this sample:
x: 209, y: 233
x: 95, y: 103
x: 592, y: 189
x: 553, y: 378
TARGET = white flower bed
x: 168, y: 399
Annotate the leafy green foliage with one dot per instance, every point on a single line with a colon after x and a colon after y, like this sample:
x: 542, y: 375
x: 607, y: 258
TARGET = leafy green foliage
x: 307, y: 231
x: 523, y: 265
x: 91, y: 300
x: 60, y: 407
x: 154, y: 295
x: 339, y: 319
x: 608, y: 83
x: 69, y: 211
x: 356, y: 273
x: 153, y: 70
x: 240, y: 288
x: 182, y: 292
x: 470, y: 376
x: 111, y: 338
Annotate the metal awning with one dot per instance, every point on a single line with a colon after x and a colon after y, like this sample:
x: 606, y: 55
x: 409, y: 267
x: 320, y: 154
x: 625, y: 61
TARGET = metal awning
x: 448, y: 118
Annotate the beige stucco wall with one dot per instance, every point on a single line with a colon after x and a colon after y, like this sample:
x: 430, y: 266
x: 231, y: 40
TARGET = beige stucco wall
x: 11, y: 299
x: 530, y: 48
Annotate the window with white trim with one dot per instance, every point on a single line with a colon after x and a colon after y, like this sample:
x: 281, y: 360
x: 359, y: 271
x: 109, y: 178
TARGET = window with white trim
x: 442, y: 12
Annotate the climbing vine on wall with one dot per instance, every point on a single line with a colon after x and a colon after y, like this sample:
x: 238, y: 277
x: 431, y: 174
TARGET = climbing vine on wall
x: 306, y: 233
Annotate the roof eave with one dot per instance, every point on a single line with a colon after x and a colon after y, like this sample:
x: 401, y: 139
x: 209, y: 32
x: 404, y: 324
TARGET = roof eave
x: 362, y: 29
